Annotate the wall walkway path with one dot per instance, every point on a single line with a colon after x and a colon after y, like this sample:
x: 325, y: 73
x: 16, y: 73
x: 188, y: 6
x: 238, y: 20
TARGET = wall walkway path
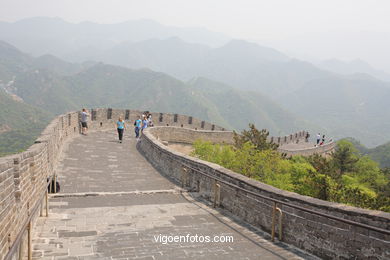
x: 113, y: 202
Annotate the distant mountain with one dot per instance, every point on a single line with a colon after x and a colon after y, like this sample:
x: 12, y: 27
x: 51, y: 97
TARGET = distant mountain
x: 172, y: 56
x: 111, y: 86
x: 353, y: 67
x: 13, y: 61
x: 369, y: 46
x: 345, y: 106
x: 101, y: 85
x: 56, y: 65
x: 238, y: 63
x: 381, y: 153
x: 43, y: 35
x: 243, y: 107
x: 351, y: 105
x: 20, y: 123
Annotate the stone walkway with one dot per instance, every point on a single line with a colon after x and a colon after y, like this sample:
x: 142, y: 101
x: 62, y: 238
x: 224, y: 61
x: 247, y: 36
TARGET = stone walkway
x: 114, y: 205
x: 297, y: 146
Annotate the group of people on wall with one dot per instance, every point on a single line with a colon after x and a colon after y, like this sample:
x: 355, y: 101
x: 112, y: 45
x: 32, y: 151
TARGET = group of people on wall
x: 320, y: 140
x: 145, y: 120
x: 142, y: 122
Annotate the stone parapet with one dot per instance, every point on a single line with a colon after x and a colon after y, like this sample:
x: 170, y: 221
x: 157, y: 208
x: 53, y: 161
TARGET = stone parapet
x: 188, y: 136
x: 313, y: 229
x: 298, y: 137
x: 23, y: 180
x: 325, y: 149
x: 23, y: 176
x: 106, y: 118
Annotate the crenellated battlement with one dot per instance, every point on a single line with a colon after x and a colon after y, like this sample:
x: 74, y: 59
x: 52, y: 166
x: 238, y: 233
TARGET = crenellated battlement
x: 327, y: 229
x: 23, y: 182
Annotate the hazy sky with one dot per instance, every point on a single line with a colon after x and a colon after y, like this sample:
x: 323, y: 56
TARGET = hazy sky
x: 285, y: 24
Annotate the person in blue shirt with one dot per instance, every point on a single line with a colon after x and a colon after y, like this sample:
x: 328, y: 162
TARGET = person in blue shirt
x: 138, y: 125
x: 121, y: 128
x: 144, y: 124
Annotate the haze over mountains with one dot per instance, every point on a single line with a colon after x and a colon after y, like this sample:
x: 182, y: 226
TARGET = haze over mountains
x: 353, y: 67
x: 55, y: 86
x: 367, y: 45
x: 230, y: 82
x: 44, y: 35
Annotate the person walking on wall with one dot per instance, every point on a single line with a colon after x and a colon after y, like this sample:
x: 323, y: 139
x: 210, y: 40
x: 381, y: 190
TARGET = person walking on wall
x: 307, y: 137
x: 318, y: 138
x: 84, y: 121
x: 323, y: 140
x: 121, y: 128
x: 144, y: 123
x: 150, y: 122
x: 137, y: 126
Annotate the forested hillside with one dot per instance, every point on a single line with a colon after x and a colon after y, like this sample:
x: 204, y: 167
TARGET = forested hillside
x: 380, y: 154
x: 345, y: 106
x: 52, y: 85
x: 340, y: 104
x: 19, y: 124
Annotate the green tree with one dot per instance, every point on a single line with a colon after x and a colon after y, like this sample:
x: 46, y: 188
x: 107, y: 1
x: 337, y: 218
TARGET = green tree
x: 322, y: 165
x: 345, y: 157
x: 346, y: 176
x: 257, y: 137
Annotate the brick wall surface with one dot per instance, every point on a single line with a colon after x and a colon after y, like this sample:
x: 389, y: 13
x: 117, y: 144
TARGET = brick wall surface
x: 325, y: 149
x: 23, y: 176
x: 188, y: 136
x: 322, y: 236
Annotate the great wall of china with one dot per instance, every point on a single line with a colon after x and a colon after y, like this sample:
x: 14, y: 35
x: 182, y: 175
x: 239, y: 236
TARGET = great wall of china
x: 325, y: 229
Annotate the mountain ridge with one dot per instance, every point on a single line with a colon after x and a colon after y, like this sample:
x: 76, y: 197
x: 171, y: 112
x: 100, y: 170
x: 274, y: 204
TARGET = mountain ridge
x: 103, y: 85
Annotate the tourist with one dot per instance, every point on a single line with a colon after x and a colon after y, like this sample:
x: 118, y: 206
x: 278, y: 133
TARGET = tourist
x: 84, y: 121
x: 323, y: 140
x: 137, y: 126
x: 150, y: 122
x: 121, y: 128
x: 307, y: 137
x: 318, y: 138
x: 144, y: 123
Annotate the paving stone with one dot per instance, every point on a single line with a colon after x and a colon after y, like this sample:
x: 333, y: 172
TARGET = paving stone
x: 125, y: 226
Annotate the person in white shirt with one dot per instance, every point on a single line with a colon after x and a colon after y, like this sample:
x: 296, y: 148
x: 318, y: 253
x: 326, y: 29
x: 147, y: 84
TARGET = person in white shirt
x: 84, y: 121
x: 318, y: 138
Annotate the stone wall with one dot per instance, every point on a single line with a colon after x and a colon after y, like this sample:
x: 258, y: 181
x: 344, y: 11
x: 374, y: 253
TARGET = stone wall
x: 320, y: 235
x: 297, y: 137
x: 23, y: 179
x: 23, y: 176
x: 106, y: 118
x: 188, y: 136
x: 102, y: 119
x: 325, y: 149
